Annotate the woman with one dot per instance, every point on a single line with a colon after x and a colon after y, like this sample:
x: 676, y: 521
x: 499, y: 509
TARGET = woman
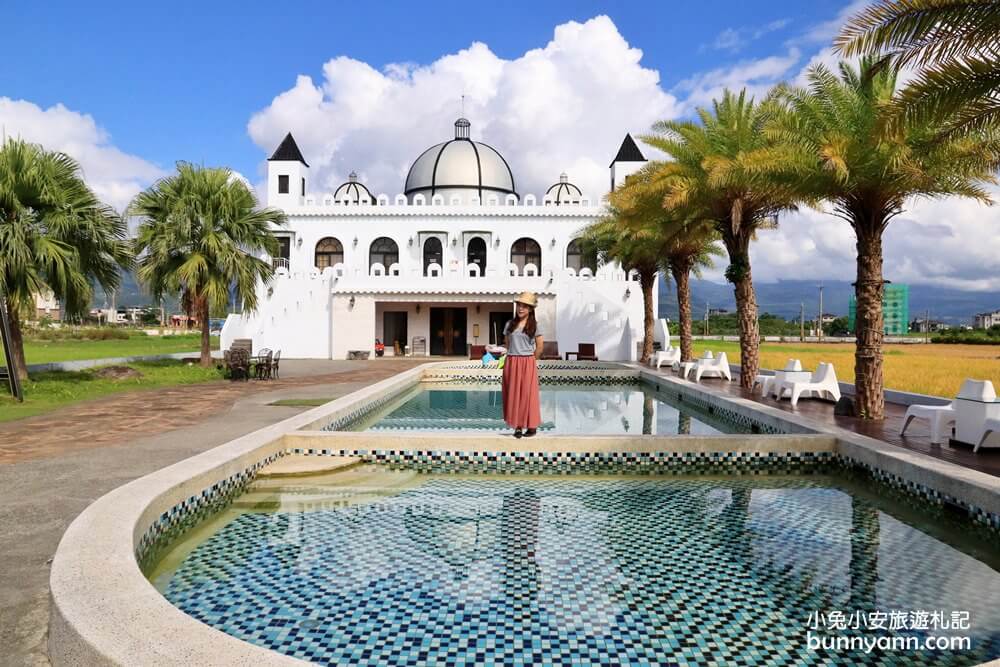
x: 523, y: 339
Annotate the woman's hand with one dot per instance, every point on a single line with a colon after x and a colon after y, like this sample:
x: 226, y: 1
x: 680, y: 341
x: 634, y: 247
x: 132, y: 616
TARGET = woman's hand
x: 539, y: 343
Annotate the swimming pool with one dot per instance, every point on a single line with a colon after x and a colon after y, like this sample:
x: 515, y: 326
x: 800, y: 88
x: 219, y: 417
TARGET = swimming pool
x: 567, y: 409
x: 381, y: 565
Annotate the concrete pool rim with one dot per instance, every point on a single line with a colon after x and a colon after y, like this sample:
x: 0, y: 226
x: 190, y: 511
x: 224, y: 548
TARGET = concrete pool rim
x: 104, y: 610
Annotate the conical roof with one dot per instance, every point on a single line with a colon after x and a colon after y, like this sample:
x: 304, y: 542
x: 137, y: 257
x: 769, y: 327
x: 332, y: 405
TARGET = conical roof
x: 288, y: 151
x: 629, y: 151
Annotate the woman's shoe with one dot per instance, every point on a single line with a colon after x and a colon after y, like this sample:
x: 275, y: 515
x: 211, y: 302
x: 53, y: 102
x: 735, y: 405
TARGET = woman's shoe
x: 517, y: 433
x: 530, y: 432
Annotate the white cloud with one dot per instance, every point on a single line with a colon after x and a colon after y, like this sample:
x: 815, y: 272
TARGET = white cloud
x: 564, y: 106
x: 736, y: 39
x: 115, y: 176
x: 756, y: 76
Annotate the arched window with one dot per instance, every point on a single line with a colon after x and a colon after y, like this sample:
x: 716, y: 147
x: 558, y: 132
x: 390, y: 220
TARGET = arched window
x: 477, y: 254
x: 329, y: 252
x: 433, y: 253
x: 577, y: 259
x: 526, y: 251
x: 384, y: 251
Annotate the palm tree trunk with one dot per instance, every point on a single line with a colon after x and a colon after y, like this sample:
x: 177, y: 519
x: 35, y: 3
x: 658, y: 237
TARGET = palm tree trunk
x: 682, y: 279
x: 16, y: 338
x: 868, y: 324
x: 647, y: 279
x: 739, y: 274
x: 206, y: 341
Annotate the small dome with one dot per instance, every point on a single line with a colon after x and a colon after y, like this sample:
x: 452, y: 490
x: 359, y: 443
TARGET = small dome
x: 460, y: 167
x: 563, y: 192
x: 353, y: 192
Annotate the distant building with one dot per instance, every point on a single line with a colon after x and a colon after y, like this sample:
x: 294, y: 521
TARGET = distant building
x: 828, y: 318
x: 46, y: 305
x: 718, y: 311
x: 895, y: 310
x: 986, y: 320
x: 921, y: 325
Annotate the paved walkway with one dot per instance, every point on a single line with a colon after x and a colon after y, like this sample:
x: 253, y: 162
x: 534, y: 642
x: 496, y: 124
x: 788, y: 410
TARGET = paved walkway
x: 56, y: 465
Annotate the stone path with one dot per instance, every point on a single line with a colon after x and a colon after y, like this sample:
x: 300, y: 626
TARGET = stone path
x: 55, y: 465
x: 119, y: 418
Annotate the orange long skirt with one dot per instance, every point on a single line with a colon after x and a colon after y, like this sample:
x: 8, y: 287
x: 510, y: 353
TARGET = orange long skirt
x: 521, y: 401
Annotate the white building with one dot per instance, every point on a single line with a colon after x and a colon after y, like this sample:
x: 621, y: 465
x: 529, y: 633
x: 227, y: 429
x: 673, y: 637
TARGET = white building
x: 435, y: 268
x: 986, y: 320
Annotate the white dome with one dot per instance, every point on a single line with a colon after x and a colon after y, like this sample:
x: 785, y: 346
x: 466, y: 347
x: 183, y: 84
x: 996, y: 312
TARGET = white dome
x: 460, y: 167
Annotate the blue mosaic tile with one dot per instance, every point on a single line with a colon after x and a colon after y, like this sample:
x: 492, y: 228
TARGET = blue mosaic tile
x: 569, y: 571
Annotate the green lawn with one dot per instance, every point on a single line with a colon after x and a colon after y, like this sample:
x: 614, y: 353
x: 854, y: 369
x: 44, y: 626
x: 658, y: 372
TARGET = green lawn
x: 47, y: 391
x: 38, y: 351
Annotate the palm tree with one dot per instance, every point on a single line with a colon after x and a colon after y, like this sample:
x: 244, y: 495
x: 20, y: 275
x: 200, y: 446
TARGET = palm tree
x: 955, y: 44
x: 636, y: 249
x: 55, y: 236
x: 197, y: 237
x: 688, y: 242
x: 835, y: 135
x: 724, y: 168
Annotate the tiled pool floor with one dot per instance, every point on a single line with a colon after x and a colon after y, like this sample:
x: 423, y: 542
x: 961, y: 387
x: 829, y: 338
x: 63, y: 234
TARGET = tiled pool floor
x: 393, y: 567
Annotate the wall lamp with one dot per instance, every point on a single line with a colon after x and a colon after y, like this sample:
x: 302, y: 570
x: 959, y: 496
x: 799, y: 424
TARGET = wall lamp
x: 355, y: 241
x: 418, y: 309
x: 553, y: 244
x: 628, y: 293
x: 411, y: 241
x: 454, y: 240
x: 496, y: 242
x: 299, y: 242
x: 350, y: 304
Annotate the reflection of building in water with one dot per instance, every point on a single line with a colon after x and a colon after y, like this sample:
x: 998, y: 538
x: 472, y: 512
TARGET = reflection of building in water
x: 864, y: 555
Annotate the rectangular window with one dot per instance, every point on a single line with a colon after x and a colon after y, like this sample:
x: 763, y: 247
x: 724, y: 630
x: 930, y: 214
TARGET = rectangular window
x: 283, y: 185
x: 303, y: 187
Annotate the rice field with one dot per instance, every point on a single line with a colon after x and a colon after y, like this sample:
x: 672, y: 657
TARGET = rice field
x: 922, y: 368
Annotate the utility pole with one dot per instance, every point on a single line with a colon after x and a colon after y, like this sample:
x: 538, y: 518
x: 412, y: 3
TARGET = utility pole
x: 819, y: 323
x: 802, y: 321
x: 927, y: 325
x: 706, y: 318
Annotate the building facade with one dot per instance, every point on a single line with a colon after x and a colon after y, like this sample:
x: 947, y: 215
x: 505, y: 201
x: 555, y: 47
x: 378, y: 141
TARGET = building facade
x: 986, y: 320
x: 895, y: 310
x: 434, y: 270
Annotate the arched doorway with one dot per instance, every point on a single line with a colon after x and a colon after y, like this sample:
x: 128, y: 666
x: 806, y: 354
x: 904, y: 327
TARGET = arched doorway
x: 476, y: 254
x: 433, y: 253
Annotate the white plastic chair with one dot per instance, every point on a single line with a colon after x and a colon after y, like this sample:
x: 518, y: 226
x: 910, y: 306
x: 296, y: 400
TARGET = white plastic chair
x: 940, y: 417
x: 718, y: 367
x: 765, y: 380
x: 670, y: 356
x: 823, y: 384
x: 989, y: 427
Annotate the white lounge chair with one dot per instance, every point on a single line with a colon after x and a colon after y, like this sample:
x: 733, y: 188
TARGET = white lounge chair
x: 823, y: 384
x: 668, y: 354
x: 717, y: 367
x: 766, y: 381
x: 940, y: 417
x: 989, y: 427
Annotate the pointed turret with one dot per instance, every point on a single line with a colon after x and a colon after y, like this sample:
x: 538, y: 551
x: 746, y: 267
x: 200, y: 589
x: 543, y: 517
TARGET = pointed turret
x: 286, y: 174
x: 287, y: 151
x: 628, y: 161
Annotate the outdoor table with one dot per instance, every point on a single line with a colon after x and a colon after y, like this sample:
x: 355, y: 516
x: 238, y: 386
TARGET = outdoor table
x: 970, y: 416
x: 780, y: 376
x: 686, y: 367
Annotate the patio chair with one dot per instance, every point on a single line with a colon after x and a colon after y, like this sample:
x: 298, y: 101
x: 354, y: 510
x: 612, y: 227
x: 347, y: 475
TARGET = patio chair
x: 263, y: 366
x: 941, y: 419
x: 717, y: 367
x: 669, y: 356
x: 238, y: 363
x: 477, y: 351
x: 584, y: 352
x: 275, y: 362
x: 791, y: 366
x: 243, y: 343
x: 550, y: 350
x: 990, y: 427
x: 823, y: 384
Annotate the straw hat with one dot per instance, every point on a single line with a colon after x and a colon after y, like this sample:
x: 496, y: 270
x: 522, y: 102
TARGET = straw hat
x: 528, y: 299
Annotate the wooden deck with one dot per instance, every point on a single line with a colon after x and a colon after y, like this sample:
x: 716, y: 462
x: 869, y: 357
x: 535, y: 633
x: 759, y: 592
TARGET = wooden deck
x: 917, y: 436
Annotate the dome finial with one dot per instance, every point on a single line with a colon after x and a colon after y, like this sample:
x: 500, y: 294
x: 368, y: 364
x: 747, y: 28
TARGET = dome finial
x: 563, y: 178
x: 352, y: 177
x: 462, y: 128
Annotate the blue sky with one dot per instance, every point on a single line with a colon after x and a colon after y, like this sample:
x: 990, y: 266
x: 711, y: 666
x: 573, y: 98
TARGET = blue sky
x: 130, y: 88
x: 180, y: 80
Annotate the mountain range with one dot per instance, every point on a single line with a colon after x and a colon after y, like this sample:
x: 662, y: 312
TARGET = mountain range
x: 783, y: 298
